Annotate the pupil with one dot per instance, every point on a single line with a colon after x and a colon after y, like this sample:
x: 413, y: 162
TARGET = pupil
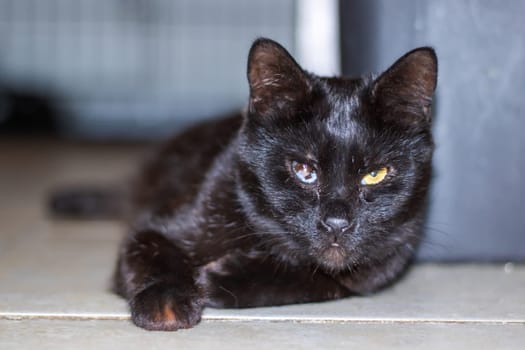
x: 300, y: 168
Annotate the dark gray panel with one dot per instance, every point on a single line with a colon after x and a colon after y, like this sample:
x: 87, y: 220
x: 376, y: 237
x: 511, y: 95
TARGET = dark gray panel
x: 477, y: 207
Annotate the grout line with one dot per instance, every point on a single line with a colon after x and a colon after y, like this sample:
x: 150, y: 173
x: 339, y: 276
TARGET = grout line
x: 370, y: 320
x: 20, y: 316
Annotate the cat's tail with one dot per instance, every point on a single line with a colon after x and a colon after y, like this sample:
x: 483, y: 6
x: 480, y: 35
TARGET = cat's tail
x: 87, y: 203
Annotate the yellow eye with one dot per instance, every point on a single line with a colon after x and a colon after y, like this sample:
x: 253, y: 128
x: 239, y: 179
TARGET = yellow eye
x: 374, y: 177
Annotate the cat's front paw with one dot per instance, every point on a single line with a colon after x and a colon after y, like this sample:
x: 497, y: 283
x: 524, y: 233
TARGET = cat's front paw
x: 164, y: 307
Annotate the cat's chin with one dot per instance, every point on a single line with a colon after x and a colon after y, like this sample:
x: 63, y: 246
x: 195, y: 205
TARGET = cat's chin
x: 334, y: 258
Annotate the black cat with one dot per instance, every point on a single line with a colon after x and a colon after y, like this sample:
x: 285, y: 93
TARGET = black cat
x: 316, y: 192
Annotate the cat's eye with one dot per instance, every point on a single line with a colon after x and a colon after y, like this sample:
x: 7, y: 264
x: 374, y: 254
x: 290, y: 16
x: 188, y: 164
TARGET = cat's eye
x: 374, y: 177
x: 304, y: 172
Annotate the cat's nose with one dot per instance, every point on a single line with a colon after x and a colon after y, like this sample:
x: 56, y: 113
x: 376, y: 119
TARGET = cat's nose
x: 336, y: 224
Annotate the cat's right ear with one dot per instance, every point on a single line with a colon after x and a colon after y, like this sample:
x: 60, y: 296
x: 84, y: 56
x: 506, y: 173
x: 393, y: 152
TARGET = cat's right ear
x: 277, y: 82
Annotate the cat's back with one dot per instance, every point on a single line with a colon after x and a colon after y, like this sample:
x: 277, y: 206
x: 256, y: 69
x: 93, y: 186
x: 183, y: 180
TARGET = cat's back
x: 174, y: 174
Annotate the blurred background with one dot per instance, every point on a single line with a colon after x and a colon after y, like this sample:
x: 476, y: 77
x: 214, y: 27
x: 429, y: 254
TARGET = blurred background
x: 139, y: 70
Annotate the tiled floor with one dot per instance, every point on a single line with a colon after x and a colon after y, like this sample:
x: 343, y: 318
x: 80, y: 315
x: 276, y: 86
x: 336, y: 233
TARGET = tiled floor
x: 54, y: 278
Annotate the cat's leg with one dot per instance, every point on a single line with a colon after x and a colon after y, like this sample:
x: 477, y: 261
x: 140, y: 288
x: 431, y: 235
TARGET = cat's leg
x: 234, y: 282
x: 157, y: 279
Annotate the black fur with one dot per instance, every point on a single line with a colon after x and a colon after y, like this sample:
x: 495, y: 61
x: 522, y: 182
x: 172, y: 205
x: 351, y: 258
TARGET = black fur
x: 222, y: 220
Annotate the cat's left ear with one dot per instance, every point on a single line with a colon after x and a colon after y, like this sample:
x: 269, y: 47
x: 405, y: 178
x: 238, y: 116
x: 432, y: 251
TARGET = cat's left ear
x: 277, y: 82
x: 405, y: 90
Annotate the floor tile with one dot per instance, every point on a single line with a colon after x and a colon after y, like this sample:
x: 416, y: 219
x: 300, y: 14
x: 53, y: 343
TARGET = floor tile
x: 60, y: 334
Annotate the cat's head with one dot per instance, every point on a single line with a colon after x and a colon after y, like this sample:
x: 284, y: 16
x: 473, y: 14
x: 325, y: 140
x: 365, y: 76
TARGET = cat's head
x: 334, y: 171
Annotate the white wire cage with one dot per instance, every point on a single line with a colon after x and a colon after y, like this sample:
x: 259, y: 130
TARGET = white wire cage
x: 136, y: 68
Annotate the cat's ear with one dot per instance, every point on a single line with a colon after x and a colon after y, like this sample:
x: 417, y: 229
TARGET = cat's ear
x: 405, y: 89
x: 277, y: 82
